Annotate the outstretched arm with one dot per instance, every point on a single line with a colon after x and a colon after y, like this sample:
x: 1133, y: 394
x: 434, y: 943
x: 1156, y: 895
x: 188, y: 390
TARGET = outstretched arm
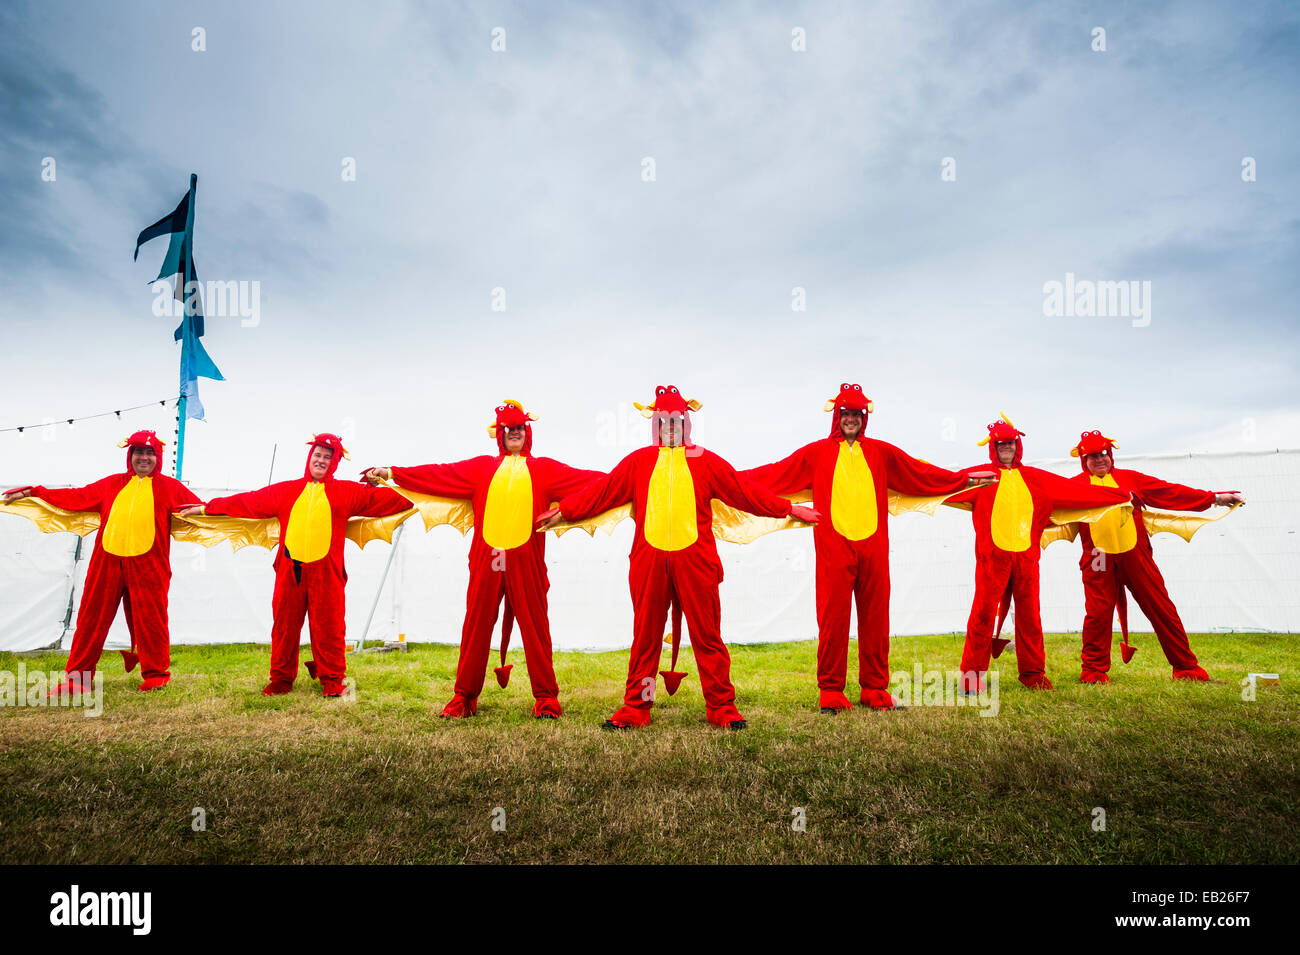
x: 566, y: 480
x: 600, y: 495
x: 445, y: 480
x: 746, y: 495
x: 375, y: 501
x: 88, y: 498
x: 1070, y: 495
x: 1154, y: 492
x: 790, y: 474
x: 909, y: 475
x: 260, y: 504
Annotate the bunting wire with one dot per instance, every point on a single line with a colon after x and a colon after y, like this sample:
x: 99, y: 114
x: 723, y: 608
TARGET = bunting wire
x: 103, y: 414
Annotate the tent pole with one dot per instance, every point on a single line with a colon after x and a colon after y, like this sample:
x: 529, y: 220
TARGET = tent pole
x: 72, y: 592
x: 397, y: 536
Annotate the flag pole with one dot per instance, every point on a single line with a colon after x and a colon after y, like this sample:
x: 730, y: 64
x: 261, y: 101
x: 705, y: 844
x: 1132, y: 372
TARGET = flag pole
x: 180, y: 435
x: 186, y: 277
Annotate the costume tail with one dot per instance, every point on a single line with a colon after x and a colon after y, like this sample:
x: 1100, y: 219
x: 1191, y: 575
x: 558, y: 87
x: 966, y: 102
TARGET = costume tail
x: 1126, y: 649
x: 507, y: 625
x: 672, y: 678
x: 1004, y: 607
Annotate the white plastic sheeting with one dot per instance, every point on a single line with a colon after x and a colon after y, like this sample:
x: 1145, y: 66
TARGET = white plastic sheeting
x: 1241, y: 573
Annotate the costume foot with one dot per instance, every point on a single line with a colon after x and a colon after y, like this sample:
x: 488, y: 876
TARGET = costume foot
x: 331, y: 687
x: 971, y: 684
x: 459, y: 707
x: 548, y: 709
x: 724, y: 716
x: 69, y: 687
x: 277, y: 688
x: 832, y: 701
x: 879, y: 700
x: 1037, y: 682
x: 1093, y: 676
x: 627, y: 717
x: 154, y: 682
x: 1195, y: 674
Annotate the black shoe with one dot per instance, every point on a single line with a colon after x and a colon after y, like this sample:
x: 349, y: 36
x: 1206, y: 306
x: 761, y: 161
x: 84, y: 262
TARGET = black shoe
x: 830, y: 709
x: 738, y: 725
x: 546, y: 716
x: 611, y: 725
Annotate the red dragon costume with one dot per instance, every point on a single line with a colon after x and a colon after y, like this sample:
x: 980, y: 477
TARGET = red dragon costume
x: 507, y: 560
x: 674, y: 558
x: 130, y: 564
x: 1009, y: 519
x: 850, y: 481
x: 309, y: 572
x: 1118, y: 555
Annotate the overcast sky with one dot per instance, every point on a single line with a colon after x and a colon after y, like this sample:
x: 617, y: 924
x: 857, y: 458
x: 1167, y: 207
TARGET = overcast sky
x: 774, y: 169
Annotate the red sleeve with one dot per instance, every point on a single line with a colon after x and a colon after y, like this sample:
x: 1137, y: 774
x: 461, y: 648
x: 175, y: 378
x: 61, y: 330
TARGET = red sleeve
x: 602, y: 494
x: 908, y: 475
x: 370, y: 501
x: 88, y: 498
x: 566, y: 480
x: 789, y: 475
x: 179, y: 495
x: 1065, y: 493
x: 257, y: 504
x: 445, y: 480
x: 1154, y: 492
x: 731, y: 488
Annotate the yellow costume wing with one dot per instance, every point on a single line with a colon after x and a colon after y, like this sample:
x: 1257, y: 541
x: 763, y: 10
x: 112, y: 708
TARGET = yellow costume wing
x: 434, y: 510
x: 1184, y: 525
x: 1066, y: 521
x: 741, y: 527
x: 210, y: 530
x: 362, y: 530
x: 51, y: 519
x: 605, y: 521
x: 1157, y: 522
x: 906, y: 503
x: 1058, y: 532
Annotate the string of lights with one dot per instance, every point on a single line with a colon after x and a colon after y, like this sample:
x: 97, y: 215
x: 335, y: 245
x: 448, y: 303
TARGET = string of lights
x: 52, y: 422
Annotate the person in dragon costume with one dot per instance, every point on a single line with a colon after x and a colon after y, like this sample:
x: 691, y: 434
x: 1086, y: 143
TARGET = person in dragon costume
x: 507, y: 560
x: 130, y: 563
x: 313, y: 513
x: 1117, y: 555
x: 674, y: 563
x: 850, y: 476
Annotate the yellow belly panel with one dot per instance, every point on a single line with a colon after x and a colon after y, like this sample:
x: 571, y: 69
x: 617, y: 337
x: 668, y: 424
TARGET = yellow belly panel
x: 854, y: 511
x: 508, y: 513
x: 670, y: 505
x: 1115, y: 532
x: 1013, y: 512
x: 130, y: 528
x: 307, y: 538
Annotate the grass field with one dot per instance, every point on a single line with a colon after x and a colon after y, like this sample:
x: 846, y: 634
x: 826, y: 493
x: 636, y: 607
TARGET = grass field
x: 1184, y: 773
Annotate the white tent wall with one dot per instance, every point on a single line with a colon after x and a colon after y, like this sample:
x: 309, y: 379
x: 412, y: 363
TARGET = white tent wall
x: 1241, y: 573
